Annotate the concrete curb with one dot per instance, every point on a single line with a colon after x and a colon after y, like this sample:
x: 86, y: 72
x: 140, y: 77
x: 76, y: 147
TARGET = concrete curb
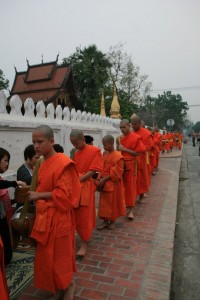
x: 157, y: 277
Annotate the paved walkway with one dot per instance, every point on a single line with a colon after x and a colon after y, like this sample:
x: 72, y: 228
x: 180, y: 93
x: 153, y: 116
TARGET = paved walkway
x: 135, y: 260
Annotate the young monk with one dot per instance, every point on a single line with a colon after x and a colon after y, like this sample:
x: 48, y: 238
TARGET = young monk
x: 130, y: 144
x: 112, y: 196
x: 3, y: 283
x: 88, y: 161
x: 57, y: 192
x: 144, y: 166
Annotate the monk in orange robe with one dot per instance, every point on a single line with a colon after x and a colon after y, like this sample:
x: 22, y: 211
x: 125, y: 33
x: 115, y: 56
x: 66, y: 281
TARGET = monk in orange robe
x: 144, y: 166
x: 3, y: 283
x: 152, y: 155
x: 158, y: 145
x: 170, y: 140
x: 88, y: 161
x: 112, y: 196
x: 57, y: 192
x: 130, y: 144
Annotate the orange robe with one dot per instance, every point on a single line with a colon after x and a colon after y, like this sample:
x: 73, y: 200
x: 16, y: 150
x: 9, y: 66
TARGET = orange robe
x: 165, y: 143
x: 170, y: 139
x: 112, y: 196
x: 87, y: 159
x: 158, y: 145
x: 152, y: 159
x: 133, y: 142
x: 143, y: 180
x: 3, y: 283
x: 54, y: 227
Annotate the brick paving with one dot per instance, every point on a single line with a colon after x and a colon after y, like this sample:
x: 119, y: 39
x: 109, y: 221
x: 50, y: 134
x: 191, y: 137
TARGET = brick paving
x: 134, y: 261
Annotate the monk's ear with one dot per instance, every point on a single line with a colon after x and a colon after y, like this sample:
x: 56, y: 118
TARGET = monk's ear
x: 52, y: 141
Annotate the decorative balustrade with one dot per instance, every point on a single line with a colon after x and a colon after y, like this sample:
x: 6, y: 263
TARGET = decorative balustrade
x: 51, y: 113
x: 16, y: 128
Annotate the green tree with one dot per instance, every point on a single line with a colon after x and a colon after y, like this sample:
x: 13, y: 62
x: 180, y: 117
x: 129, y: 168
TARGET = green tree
x: 3, y: 82
x: 91, y: 75
x: 159, y: 109
x: 196, y: 127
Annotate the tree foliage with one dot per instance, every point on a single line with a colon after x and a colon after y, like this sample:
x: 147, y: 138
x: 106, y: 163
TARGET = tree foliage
x: 159, y: 109
x: 91, y: 75
x: 127, y: 75
x: 95, y: 71
x: 3, y: 82
x: 196, y: 127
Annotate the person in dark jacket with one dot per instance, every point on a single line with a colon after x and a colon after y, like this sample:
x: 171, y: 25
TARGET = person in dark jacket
x: 25, y: 172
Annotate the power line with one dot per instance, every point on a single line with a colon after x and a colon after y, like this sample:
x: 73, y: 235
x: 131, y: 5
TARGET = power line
x: 186, y: 88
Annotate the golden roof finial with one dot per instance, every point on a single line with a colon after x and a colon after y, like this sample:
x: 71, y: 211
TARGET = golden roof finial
x: 115, y: 107
x: 103, y: 112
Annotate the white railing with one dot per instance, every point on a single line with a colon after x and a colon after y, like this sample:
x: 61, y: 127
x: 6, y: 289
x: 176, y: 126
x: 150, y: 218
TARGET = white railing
x: 16, y: 129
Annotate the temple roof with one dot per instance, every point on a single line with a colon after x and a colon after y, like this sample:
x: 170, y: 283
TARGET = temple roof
x: 43, y: 81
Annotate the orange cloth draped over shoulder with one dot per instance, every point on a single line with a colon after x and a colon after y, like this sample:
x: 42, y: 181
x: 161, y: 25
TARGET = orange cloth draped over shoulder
x: 87, y: 159
x: 143, y: 180
x: 54, y: 227
x: 112, y: 196
x: 133, y: 142
x: 3, y: 283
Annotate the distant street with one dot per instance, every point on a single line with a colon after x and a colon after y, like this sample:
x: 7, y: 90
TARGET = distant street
x: 186, y: 270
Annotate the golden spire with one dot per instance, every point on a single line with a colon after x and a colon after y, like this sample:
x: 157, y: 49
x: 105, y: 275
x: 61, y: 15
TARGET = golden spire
x: 103, y: 112
x: 115, y: 108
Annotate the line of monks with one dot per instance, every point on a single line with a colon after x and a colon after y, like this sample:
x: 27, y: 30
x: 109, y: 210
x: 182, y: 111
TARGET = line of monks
x: 65, y: 197
x: 171, y: 140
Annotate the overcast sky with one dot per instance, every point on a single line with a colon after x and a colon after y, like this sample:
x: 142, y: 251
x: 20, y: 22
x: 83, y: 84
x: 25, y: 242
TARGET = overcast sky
x: 163, y: 37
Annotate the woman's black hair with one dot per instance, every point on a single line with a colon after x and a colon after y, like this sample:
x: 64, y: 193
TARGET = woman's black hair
x: 4, y: 152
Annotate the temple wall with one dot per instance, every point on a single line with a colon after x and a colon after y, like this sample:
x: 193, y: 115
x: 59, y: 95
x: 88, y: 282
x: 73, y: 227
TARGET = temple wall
x: 16, y: 129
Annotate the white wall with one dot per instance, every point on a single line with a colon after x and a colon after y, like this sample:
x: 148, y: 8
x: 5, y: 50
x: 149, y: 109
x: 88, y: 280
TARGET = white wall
x: 16, y: 129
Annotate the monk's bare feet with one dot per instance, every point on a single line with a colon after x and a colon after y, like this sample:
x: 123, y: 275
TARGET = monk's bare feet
x: 83, y: 250
x: 69, y: 292
x: 139, y: 201
x: 128, y: 210
x: 57, y: 296
x: 130, y: 215
x: 111, y: 225
x: 104, y: 225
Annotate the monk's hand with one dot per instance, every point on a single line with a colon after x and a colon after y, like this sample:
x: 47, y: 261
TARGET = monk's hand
x: 101, y: 183
x: 21, y: 183
x: 81, y: 178
x: 32, y: 195
x: 121, y: 148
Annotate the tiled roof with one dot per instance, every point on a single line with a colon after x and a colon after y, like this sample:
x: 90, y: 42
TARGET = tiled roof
x: 22, y: 86
x: 40, y: 72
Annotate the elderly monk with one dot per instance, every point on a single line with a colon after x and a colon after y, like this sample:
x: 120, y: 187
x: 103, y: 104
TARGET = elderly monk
x: 130, y: 144
x: 112, y: 196
x: 57, y: 192
x: 88, y: 159
x: 3, y: 283
x: 144, y: 165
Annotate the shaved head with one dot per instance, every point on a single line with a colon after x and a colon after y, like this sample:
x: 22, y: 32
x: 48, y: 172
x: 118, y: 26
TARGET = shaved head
x: 135, y: 118
x: 46, y: 130
x: 77, y: 134
x: 108, y: 139
x: 125, y: 121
